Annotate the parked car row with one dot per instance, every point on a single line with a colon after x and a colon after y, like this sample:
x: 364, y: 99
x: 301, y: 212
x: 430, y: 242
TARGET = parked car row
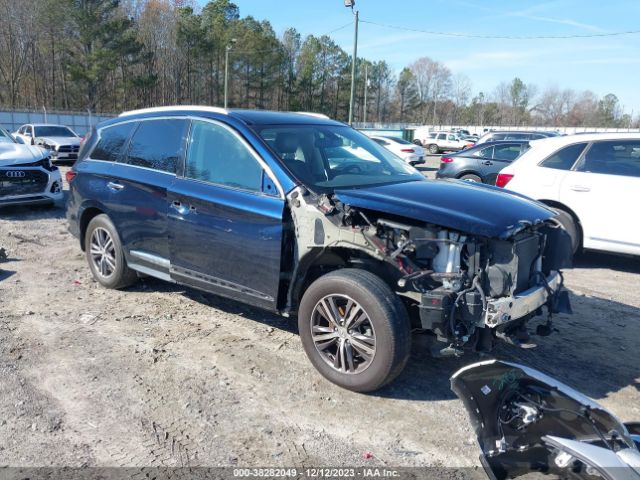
x: 437, y: 142
x: 409, y: 152
x: 590, y: 179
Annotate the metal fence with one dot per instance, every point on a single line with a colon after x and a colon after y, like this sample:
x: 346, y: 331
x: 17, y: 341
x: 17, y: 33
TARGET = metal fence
x: 80, y: 122
x: 480, y: 129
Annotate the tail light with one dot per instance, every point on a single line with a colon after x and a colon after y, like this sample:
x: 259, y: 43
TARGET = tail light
x: 70, y: 175
x: 503, y: 179
x: 407, y: 150
x: 446, y: 160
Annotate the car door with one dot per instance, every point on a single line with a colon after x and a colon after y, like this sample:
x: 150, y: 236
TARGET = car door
x: 544, y: 180
x: 501, y: 156
x: 226, y: 218
x: 139, y: 183
x: 603, y: 190
x: 453, y: 143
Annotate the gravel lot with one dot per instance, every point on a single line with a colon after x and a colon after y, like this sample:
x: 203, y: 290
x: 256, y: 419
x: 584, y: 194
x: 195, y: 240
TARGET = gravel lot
x: 162, y: 375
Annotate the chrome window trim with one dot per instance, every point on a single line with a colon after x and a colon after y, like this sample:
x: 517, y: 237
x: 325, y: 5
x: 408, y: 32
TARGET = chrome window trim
x: 192, y: 118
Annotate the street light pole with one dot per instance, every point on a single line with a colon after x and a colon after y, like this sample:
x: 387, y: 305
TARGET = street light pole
x: 226, y: 70
x: 351, y: 4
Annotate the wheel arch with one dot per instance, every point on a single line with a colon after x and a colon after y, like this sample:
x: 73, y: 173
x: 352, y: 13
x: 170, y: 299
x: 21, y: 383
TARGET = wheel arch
x: 470, y: 172
x: 320, y: 261
x: 562, y: 206
x: 88, y: 213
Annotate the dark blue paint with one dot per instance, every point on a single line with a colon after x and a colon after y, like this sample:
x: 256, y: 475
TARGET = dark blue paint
x: 139, y: 210
x: 465, y: 206
x: 229, y: 234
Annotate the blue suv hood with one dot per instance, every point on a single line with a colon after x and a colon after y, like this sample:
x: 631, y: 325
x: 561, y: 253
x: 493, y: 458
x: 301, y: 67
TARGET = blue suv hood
x: 465, y: 206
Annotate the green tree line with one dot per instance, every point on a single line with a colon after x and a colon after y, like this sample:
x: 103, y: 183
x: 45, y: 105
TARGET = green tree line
x: 113, y: 55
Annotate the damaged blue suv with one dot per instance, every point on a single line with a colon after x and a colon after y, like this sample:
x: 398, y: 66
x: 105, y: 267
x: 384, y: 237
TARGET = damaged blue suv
x: 302, y: 215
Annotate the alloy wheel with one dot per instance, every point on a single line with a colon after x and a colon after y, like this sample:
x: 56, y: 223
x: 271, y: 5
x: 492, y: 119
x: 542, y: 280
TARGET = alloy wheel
x: 103, y: 252
x: 343, y: 334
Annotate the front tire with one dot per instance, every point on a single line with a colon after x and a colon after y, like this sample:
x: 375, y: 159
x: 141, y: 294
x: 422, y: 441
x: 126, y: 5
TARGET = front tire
x: 354, y: 329
x: 433, y: 149
x: 566, y: 221
x: 105, y: 254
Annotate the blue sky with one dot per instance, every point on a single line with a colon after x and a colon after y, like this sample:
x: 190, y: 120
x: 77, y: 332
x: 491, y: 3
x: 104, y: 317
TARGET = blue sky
x: 601, y: 64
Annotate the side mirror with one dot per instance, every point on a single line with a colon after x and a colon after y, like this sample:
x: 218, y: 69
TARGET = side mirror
x: 19, y: 140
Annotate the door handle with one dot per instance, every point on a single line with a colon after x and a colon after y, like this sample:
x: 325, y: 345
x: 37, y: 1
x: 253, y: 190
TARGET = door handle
x: 116, y: 187
x: 580, y: 188
x: 487, y: 162
x: 180, y: 208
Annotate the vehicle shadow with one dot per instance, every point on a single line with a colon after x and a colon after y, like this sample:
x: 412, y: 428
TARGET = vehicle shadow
x: 594, y: 350
x: 622, y: 263
x: 34, y: 212
x: 4, y: 274
x: 150, y: 284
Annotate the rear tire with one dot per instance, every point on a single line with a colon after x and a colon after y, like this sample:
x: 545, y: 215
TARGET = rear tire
x: 566, y: 221
x: 366, y: 342
x: 470, y: 177
x: 105, y: 254
x: 433, y: 149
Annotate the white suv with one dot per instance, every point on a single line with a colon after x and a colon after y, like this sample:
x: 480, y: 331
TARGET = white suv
x: 593, y: 180
x: 437, y: 142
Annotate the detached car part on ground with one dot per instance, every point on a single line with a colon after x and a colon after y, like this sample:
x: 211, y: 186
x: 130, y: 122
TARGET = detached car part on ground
x: 27, y: 176
x: 342, y: 233
x: 528, y: 422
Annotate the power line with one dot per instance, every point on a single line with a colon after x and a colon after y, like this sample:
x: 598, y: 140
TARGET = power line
x: 503, y: 37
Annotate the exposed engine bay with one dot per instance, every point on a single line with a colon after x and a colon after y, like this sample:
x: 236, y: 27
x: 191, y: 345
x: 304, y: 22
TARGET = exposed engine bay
x: 464, y: 288
x: 528, y: 422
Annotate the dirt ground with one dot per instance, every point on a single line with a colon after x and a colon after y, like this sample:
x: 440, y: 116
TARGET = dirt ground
x: 162, y: 375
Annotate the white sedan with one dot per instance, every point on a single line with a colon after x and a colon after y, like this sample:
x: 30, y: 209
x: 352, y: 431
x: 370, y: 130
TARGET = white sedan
x: 410, y: 153
x: 592, y: 180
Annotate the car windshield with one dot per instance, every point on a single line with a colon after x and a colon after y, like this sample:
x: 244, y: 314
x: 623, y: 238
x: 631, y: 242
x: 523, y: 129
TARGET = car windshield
x: 54, y: 131
x: 327, y: 157
x: 5, y: 137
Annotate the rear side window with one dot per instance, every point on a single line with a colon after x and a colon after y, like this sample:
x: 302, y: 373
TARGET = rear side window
x: 507, y: 152
x: 617, y: 157
x: 158, y: 144
x: 218, y: 156
x: 564, y: 158
x: 485, y: 152
x: 112, y: 140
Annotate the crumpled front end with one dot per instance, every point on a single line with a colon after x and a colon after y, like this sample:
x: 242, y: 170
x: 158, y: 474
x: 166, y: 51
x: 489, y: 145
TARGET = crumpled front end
x: 471, y: 290
x: 465, y: 288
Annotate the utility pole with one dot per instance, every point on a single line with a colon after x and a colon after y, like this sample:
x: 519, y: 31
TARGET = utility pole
x: 351, y: 4
x: 226, y: 69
